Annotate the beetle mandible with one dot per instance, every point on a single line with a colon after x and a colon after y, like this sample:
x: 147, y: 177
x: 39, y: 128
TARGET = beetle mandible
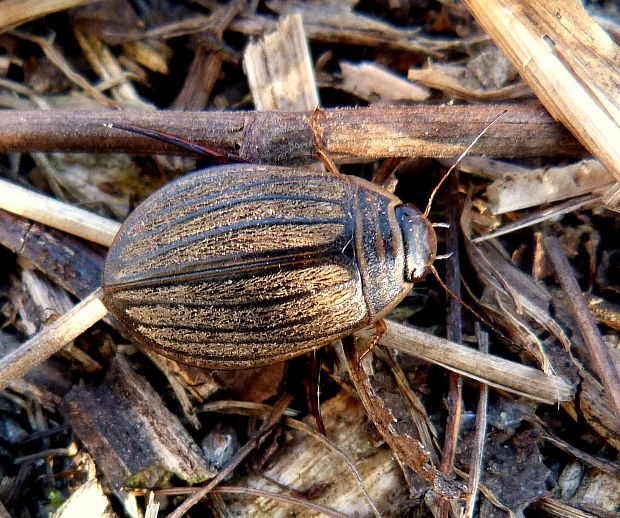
x: 243, y: 265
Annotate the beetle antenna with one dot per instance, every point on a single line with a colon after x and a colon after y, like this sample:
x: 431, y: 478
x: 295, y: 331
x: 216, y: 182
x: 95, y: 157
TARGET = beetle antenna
x: 223, y: 157
x: 465, y: 305
x: 458, y: 161
x: 327, y: 162
x: 455, y: 296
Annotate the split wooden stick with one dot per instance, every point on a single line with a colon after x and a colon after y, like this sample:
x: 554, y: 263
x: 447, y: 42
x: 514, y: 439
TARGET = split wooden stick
x: 52, y: 338
x: 57, y: 214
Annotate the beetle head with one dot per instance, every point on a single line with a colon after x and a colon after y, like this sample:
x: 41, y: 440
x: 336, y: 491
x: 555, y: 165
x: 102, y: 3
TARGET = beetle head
x: 419, y: 241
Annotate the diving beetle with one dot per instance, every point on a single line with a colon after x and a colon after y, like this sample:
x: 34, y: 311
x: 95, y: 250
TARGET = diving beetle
x: 243, y: 265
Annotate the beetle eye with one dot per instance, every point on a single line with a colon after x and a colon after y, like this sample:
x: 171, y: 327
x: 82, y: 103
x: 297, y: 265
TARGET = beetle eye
x: 419, y: 241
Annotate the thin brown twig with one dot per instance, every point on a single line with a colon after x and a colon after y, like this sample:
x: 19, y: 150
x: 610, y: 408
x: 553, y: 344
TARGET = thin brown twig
x: 454, y: 333
x: 347, y: 133
x: 477, y: 457
x: 601, y: 360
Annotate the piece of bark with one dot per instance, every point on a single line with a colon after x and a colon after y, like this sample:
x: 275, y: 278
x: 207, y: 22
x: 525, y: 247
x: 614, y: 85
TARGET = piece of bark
x: 350, y: 134
x: 135, y: 439
x: 304, y: 464
x: 280, y: 71
x: 66, y: 260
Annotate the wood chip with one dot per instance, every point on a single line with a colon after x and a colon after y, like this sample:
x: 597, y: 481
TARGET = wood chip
x: 529, y: 188
x: 280, y: 71
x: 372, y: 82
x: 135, y: 439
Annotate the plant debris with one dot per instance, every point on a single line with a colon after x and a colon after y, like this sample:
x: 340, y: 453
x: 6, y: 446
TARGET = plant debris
x: 504, y: 404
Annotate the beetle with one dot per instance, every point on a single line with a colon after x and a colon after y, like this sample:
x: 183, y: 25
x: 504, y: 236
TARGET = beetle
x: 243, y: 265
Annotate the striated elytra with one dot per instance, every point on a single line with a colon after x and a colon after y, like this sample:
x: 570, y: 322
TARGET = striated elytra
x: 244, y: 265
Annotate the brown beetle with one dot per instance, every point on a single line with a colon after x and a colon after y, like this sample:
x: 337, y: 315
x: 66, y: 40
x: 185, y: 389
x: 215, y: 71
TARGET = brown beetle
x: 243, y: 265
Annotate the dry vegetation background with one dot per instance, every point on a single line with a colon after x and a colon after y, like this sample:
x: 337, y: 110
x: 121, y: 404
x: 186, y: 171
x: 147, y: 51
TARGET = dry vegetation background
x: 91, y: 430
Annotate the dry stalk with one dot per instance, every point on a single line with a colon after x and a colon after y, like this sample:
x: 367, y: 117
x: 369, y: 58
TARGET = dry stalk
x: 16, y: 12
x: 57, y: 214
x: 349, y: 134
x: 602, y: 362
x: 569, y: 62
x: 492, y: 370
x: 52, y: 338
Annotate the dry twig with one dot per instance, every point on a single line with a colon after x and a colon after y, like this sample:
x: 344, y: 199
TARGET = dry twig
x: 602, y: 363
x: 351, y: 134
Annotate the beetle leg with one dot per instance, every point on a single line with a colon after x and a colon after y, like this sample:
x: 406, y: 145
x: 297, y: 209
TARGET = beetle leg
x: 380, y: 329
x: 327, y: 162
x: 385, y: 174
x: 313, y: 391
